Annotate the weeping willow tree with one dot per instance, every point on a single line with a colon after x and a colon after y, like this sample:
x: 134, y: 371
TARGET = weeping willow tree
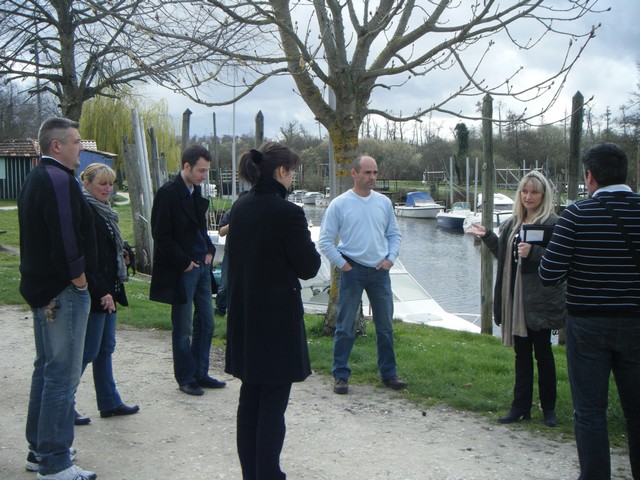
x: 108, y: 119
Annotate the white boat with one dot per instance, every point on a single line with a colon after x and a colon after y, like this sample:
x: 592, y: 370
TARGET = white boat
x: 412, y: 303
x: 501, y: 202
x: 418, y: 205
x: 502, y: 211
x: 310, y: 197
x: 454, y: 218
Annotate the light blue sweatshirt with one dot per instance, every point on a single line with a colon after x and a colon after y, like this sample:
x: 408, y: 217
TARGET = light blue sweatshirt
x: 366, y: 227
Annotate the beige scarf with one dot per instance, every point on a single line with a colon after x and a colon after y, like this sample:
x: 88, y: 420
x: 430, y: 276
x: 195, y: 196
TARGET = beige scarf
x: 512, y: 307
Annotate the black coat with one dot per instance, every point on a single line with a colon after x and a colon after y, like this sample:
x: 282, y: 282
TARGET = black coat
x: 105, y: 279
x: 176, y: 218
x: 269, y: 248
x: 544, y: 307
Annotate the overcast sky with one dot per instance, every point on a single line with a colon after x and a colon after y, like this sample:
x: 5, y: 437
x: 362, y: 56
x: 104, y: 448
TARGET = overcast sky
x: 607, y: 70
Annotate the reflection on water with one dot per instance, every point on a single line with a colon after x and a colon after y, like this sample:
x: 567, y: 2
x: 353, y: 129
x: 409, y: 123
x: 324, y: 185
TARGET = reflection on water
x: 446, y: 264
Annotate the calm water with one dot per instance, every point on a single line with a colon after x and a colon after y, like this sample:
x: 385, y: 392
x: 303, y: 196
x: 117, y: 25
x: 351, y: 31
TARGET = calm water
x: 446, y: 264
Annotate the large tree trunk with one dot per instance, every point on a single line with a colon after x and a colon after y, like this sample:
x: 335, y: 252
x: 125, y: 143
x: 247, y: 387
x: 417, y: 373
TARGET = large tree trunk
x: 345, y: 149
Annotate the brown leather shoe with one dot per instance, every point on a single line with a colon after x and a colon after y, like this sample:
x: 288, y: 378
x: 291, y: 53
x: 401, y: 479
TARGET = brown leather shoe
x: 395, y: 383
x: 340, y: 386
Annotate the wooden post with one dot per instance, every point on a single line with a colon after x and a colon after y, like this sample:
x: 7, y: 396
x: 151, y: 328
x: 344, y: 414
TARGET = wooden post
x: 158, y: 175
x: 488, y: 186
x: 575, y: 139
x: 141, y: 169
x: 140, y: 227
x: 186, y: 117
x: 259, y: 128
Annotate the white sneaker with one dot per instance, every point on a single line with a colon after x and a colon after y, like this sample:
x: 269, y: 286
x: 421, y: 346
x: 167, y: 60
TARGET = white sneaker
x: 33, y: 459
x: 71, y: 473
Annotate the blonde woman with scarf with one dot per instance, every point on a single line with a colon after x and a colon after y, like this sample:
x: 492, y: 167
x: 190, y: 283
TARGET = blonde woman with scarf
x: 526, y: 310
x: 106, y: 287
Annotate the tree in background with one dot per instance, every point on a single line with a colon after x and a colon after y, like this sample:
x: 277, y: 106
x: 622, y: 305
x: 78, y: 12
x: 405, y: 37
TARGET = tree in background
x: 75, y: 52
x: 107, y: 120
x: 358, y: 48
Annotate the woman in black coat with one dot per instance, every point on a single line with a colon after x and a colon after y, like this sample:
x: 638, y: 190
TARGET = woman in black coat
x: 526, y: 309
x: 269, y: 248
x: 106, y: 286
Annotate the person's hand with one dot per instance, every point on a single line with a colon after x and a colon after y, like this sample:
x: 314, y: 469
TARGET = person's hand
x: 524, y: 249
x: 108, y: 303
x: 477, y: 229
x: 191, y: 266
x: 208, y: 259
x: 346, y: 267
x: 386, y: 264
x: 125, y: 255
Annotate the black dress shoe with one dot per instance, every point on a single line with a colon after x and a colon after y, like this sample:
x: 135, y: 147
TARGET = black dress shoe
x: 191, y: 389
x: 514, y: 415
x: 395, y: 383
x: 208, y: 382
x: 550, y: 418
x: 81, y: 419
x: 119, y: 411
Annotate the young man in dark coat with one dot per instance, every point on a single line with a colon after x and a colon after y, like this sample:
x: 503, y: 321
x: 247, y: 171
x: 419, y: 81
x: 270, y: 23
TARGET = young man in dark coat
x: 181, y: 270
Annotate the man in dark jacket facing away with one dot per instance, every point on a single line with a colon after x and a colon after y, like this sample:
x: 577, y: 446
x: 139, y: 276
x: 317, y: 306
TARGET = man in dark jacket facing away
x: 181, y: 269
x: 57, y: 254
x: 595, y: 246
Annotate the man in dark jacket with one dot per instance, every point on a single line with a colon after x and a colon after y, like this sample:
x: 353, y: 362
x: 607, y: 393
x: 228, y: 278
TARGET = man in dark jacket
x: 181, y: 270
x: 57, y: 251
x: 595, y: 246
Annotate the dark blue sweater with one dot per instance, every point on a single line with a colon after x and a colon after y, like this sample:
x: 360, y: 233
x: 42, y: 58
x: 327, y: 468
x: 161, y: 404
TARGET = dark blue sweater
x: 57, y: 236
x: 588, y: 249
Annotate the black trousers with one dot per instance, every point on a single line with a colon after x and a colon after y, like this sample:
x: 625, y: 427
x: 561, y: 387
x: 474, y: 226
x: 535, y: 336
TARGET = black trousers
x: 261, y: 430
x: 538, y: 343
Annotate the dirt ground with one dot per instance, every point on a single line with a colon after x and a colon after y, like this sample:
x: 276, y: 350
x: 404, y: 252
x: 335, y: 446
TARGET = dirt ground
x: 372, y: 433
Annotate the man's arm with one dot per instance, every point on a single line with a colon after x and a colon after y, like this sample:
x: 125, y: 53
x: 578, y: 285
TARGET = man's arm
x: 393, y: 235
x: 329, y: 232
x: 554, y: 264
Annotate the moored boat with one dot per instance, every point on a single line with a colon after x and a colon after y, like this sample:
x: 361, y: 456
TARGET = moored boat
x: 418, y: 205
x: 454, y: 218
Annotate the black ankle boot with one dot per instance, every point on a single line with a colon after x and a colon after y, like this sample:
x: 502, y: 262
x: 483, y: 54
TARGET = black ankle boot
x: 514, y: 415
x: 550, y: 419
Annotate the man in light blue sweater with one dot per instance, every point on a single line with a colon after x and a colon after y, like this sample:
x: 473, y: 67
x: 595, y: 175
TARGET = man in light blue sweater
x: 369, y: 243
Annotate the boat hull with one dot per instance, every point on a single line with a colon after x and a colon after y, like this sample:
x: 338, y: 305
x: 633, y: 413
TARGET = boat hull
x: 418, y: 212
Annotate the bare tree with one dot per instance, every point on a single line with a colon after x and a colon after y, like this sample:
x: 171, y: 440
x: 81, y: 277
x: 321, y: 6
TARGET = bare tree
x: 357, y: 48
x: 76, y: 51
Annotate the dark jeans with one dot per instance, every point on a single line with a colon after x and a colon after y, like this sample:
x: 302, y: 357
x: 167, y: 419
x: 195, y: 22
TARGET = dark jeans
x: 597, y: 346
x: 261, y: 430
x: 538, y: 343
x: 193, y: 327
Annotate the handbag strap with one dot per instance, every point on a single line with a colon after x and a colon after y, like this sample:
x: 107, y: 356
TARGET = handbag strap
x: 621, y: 227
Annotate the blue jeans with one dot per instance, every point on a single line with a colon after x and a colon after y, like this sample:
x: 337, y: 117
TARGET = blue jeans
x: 193, y: 327
x: 377, y: 284
x: 597, y: 346
x: 221, y: 296
x: 99, y: 345
x: 56, y: 375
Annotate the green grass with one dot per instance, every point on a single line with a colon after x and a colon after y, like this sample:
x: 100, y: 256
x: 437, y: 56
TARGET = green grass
x: 465, y: 371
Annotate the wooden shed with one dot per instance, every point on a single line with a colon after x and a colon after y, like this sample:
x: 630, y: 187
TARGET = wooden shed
x: 18, y: 157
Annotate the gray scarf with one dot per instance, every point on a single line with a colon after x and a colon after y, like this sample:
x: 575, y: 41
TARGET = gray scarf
x: 513, y: 322
x: 111, y: 217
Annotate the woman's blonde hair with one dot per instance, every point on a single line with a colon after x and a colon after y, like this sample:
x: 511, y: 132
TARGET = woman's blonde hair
x: 538, y: 183
x: 98, y: 172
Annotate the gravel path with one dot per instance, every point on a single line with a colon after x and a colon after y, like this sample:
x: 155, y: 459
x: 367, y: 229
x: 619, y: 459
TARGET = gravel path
x: 372, y: 433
